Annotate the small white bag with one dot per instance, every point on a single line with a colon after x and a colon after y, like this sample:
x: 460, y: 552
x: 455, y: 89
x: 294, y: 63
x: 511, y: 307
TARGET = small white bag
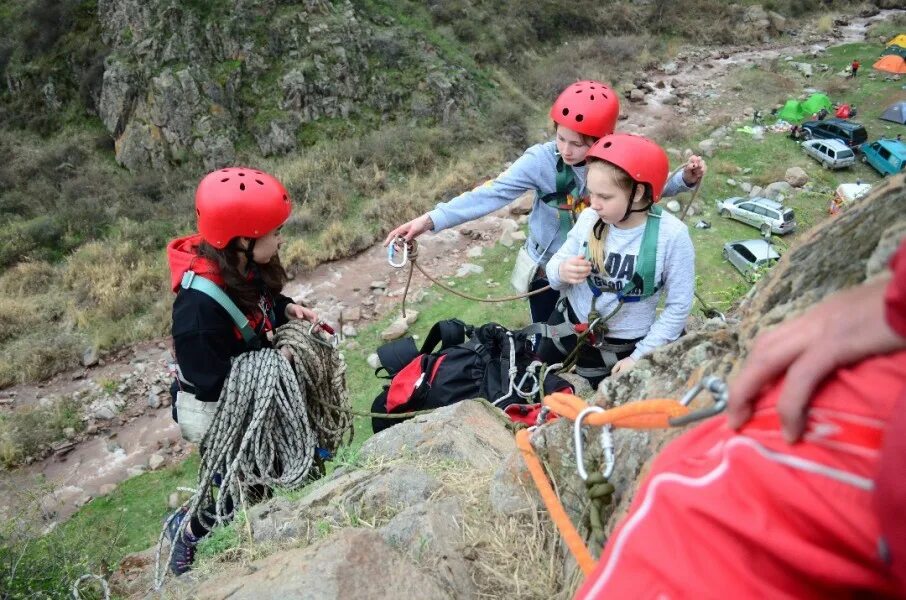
x: 195, y: 416
x: 523, y: 271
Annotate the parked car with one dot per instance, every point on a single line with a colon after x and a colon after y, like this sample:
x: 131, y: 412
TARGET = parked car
x: 750, y: 257
x: 888, y: 157
x: 831, y: 153
x: 849, y: 132
x: 765, y: 214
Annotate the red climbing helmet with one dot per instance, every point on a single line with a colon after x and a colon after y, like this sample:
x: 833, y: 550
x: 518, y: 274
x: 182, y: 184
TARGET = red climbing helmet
x: 641, y: 158
x: 239, y: 202
x: 587, y: 107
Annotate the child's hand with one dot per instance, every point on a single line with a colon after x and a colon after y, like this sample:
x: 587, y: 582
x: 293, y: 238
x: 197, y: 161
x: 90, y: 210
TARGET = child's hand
x: 623, y: 365
x: 411, y: 229
x: 295, y: 311
x: 694, y: 171
x: 574, y: 270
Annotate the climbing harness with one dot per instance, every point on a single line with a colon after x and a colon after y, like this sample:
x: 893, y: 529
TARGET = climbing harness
x: 276, y: 421
x: 644, y: 414
x: 410, y: 253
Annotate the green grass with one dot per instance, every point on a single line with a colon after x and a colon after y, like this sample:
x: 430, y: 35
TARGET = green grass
x: 96, y: 538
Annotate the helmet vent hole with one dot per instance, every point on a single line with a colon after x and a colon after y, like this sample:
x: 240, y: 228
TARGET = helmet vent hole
x: 224, y: 180
x: 285, y: 198
x: 242, y: 174
x: 565, y: 112
x: 592, y: 97
x: 607, y: 144
x: 579, y: 91
x: 242, y: 187
x: 197, y: 213
x: 579, y: 118
x: 592, y: 87
x: 259, y: 182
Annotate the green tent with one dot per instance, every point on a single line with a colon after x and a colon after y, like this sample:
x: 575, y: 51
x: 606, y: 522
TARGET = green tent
x: 815, y: 103
x: 792, y: 111
x: 895, y: 50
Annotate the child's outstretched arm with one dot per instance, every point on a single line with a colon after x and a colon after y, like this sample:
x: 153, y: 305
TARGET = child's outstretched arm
x: 568, y: 266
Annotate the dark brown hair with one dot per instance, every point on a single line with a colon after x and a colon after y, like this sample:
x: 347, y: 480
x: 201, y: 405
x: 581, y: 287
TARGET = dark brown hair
x: 244, y: 292
x: 587, y: 139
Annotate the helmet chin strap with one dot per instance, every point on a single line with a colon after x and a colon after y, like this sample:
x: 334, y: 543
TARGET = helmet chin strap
x: 249, y: 255
x: 629, y: 209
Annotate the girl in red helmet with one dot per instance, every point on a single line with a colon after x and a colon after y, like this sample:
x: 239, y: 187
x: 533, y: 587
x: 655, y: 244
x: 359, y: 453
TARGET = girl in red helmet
x: 240, y: 212
x: 555, y: 171
x: 625, y: 252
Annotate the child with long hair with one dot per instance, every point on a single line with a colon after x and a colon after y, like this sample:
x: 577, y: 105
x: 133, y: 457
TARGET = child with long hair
x: 240, y: 212
x: 623, y: 253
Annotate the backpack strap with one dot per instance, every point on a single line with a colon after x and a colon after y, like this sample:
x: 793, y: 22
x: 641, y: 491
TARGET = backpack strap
x: 643, y: 278
x: 449, y: 332
x: 192, y: 281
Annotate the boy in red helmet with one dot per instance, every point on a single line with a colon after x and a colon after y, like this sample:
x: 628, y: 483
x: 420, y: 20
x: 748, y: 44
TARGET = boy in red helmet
x: 584, y: 112
x: 240, y: 212
x: 623, y: 253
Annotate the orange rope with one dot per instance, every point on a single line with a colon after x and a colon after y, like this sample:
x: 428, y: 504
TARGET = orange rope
x: 573, y: 540
x: 645, y: 414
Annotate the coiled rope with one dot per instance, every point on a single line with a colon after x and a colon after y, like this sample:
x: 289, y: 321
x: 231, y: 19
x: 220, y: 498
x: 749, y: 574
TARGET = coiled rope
x: 273, y: 418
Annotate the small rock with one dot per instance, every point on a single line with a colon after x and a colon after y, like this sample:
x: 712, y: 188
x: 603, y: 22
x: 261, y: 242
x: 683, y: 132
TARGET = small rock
x: 154, y: 397
x: 475, y: 252
x: 373, y: 361
x: 778, y: 188
x: 757, y: 190
x: 796, y: 176
x: 136, y: 471
x: 411, y: 316
x: 395, y: 330
x: 731, y: 182
x: 352, y: 314
x: 69, y: 432
x: 379, y: 285
x: 89, y: 357
x: 523, y: 204
x: 79, y: 503
x: 466, y: 269
x: 107, y: 489
x: 173, y: 501
x: 707, y: 146
x: 673, y: 206
x: 637, y: 96
x: 746, y: 186
x: 349, y: 331
x: 156, y: 461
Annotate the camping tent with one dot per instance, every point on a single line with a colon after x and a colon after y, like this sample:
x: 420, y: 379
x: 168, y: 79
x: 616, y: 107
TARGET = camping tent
x: 792, y: 111
x: 815, y: 103
x: 895, y: 50
x: 891, y: 64
x: 896, y: 112
x: 900, y: 40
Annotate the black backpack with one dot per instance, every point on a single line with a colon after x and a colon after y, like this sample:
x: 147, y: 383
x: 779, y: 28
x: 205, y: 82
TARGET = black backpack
x: 488, y: 362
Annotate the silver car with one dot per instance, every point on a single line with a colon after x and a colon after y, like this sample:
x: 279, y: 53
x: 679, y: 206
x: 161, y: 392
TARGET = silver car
x: 769, y: 216
x: 832, y: 154
x: 750, y: 257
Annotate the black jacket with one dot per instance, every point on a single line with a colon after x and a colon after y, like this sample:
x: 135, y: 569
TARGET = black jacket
x: 205, y: 339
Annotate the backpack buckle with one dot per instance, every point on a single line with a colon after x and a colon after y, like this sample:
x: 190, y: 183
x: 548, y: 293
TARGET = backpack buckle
x: 187, y: 278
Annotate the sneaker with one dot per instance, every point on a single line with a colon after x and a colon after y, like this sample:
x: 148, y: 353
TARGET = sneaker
x: 183, y: 551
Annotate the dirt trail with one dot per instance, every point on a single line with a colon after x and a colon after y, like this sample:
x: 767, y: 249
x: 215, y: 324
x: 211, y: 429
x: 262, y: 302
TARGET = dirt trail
x: 130, y: 388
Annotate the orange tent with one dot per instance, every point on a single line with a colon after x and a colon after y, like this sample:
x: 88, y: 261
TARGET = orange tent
x: 891, y: 64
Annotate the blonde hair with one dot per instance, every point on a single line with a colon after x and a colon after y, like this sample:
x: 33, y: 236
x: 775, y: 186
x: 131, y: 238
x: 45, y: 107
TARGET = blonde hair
x: 597, y: 242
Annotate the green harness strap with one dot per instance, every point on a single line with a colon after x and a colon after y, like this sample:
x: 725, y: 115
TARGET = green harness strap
x: 192, y: 281
x: 643, y: 278
x: 566, y: 185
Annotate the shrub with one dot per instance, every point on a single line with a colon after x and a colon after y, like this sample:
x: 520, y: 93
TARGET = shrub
x: 39, y: 354
x: 28, y: 278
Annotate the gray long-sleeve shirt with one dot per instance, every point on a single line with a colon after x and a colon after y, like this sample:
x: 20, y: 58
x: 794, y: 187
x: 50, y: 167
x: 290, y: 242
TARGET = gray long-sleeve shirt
x: 674, y: 272
x: 535, y: 170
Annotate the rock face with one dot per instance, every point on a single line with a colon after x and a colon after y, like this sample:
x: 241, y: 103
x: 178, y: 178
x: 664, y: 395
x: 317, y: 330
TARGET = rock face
x: 179, y: 78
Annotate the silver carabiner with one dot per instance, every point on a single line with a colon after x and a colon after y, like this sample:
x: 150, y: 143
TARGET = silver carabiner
x: 529, y: 372
x: 718, y: 389
x: 606, y: 444
x: 391, y: 250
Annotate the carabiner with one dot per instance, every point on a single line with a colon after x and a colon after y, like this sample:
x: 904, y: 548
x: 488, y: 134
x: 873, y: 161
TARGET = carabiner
x: 333, y: 338
x: 718, y: 389
x: 606, y: 444
x: 529, y: 372
x: 391, y: 250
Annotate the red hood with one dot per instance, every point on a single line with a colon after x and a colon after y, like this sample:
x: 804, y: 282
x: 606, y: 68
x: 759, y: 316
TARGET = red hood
x: 182, y: 254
